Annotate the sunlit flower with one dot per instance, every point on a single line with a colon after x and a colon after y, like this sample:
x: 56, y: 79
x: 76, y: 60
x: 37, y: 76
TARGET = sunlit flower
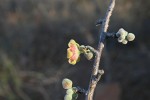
x: 73, y: 53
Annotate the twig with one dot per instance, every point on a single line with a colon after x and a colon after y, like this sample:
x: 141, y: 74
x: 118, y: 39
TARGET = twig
x: 110, y: 35
x: 80, y: 90
x: 105, y: 24
x: 92, y: 49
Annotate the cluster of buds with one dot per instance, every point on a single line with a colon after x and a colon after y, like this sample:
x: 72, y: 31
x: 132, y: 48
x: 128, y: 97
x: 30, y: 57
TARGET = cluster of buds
x: 124, y: 36
x: 70, y: 91
x: 74, y: 51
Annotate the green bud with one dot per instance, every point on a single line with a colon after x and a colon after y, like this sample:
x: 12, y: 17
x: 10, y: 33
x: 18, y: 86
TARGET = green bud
x: 125, y: 33
x: 121, y: 32
x: 130, y: 37
x: 68, y: 97
x: 70, y: 91
x: 88, y: 55
x: 82, y: 48
x: 121, y: 38
x: 124, y: 41
x: 67, y: 83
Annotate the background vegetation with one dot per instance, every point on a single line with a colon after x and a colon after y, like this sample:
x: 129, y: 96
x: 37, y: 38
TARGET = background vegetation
x: 33, y: 42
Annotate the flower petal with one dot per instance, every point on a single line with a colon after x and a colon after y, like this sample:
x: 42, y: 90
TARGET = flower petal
x: 69, y: 53
x: 78, y: 59
x: 73, y: 62
x: 71, y: 42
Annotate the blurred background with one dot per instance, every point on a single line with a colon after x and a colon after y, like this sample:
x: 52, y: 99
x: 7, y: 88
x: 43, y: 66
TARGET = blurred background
x: 33, y: 40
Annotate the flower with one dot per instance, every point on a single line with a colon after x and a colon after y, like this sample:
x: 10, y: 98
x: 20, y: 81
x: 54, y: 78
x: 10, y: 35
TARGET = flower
x: 67, y: 83
x: 73, y: 52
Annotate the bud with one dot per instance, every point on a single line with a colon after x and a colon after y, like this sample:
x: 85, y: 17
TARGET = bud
x: 68, y: 97
x: 88, y: 55
x: 70, y: 91
x: 130, y: 37
x: 82, y: 48
x: 121, y: 32
x: 124, y: 41
x: 121, y: 38
x: 67, y: 83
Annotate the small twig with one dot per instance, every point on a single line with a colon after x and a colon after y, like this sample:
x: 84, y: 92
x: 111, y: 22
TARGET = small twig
x: 80, y: 90
x: 92, y: 49
x: 110, y: 35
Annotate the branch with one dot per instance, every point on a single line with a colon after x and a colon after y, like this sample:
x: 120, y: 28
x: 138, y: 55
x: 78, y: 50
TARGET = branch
x: 105, y: 24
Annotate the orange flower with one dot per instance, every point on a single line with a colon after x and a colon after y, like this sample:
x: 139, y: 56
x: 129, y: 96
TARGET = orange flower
x: 73, y: 53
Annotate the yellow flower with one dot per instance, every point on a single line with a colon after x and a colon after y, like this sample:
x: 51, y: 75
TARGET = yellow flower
x: 73, y: 53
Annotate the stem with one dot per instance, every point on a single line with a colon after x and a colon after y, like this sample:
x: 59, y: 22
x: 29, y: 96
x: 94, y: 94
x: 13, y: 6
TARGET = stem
x: 105, y: 24
x: 80, y: 90
x: 92, y: 49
